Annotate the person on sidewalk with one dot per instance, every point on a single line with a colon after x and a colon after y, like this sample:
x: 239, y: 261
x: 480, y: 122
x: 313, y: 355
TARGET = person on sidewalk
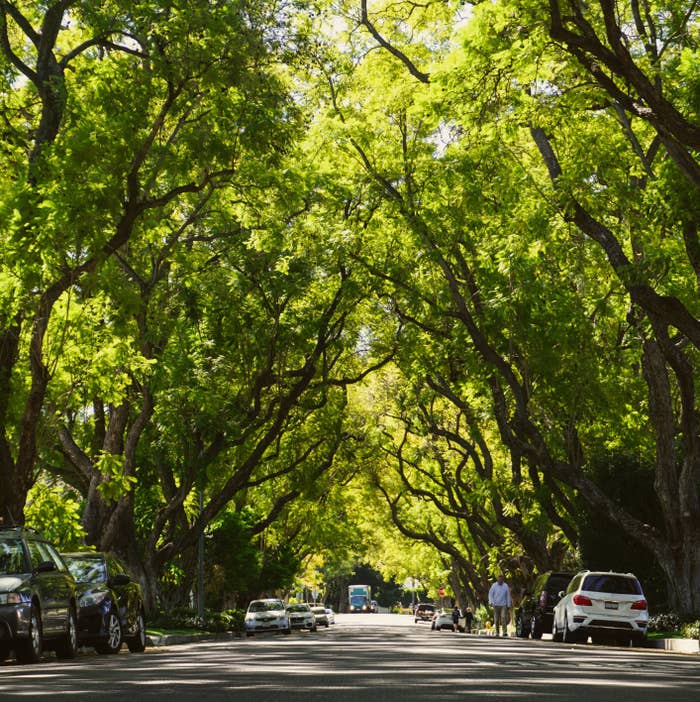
x: 468, y: 620
x: 499, y: 599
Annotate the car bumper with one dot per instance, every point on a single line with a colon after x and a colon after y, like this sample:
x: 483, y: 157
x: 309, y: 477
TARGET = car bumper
x: 592, y: 624
x: 14, y: 622
x: 301, y: 624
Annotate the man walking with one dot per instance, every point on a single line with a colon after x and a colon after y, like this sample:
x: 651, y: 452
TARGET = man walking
x: 499, y: 599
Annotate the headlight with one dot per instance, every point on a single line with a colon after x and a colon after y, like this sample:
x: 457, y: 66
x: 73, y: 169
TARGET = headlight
x: 94, y: 598
x: 11, y: 598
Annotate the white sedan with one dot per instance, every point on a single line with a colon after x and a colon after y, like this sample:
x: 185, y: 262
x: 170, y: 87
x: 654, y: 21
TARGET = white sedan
x: 301, y: 616
x: 267, y: 615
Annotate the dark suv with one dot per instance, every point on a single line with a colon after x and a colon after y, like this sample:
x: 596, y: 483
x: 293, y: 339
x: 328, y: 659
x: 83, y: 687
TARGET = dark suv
x: 37, y: 598
x: 534, y: 616
x: 424, y: 612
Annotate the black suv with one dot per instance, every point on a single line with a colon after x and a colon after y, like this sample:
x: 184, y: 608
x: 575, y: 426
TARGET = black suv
x: 424, y: 612
x: 37, y: 598
x: 534, y: 616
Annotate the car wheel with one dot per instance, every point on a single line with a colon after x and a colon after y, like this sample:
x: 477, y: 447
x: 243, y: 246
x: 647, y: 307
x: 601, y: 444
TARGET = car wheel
x: 535, y: 628
x: 67, y: 647
x: 521, y: 630
x: 569, y: 636
x: 114, y: 635
x: 137, y: 642
x: 314, y: 628
x: 287, y: 631
x: 415, y: 621
x: 4, y: 652
x: 556, y: 636
x: 249, y: 634
x: 29, y: 650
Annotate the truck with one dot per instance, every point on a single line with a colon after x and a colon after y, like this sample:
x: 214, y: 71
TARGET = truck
x: 359, y: 598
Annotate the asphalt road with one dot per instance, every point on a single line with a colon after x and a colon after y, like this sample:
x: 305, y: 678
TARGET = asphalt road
x: 374, y: 658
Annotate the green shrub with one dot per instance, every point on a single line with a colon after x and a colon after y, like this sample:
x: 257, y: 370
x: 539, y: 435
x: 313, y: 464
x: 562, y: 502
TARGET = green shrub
x: 665, y: 622
x: 690, y: 629
x: 186, y: 618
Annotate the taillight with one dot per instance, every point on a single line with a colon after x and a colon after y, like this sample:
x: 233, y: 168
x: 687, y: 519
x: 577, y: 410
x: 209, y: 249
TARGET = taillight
x: 639, y: 604
x: 582, y: 601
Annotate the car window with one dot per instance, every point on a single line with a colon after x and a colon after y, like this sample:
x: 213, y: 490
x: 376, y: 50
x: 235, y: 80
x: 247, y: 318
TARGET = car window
x: 12, y: 560
x: 38, y: 552
x: 574, y: 584
x: 614, y: 584
x: 298, y: 608
x: 87, y: 570
x: 53, y: 555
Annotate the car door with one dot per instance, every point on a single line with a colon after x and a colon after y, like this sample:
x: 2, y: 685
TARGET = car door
x: 51, y: 584
x: 126, y: 590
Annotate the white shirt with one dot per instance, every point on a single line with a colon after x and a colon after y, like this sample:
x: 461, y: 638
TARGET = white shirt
x: 499, y: 595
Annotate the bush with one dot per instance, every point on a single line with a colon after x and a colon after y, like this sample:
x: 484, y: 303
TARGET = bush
x: 186, y: 618
x: 690, y: 630
x: 665, y: 621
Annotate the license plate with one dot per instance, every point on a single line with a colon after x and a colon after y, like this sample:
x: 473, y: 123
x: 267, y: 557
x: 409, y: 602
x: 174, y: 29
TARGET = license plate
x: 611, y: 605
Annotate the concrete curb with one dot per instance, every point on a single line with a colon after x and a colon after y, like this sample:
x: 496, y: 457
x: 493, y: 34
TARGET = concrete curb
x: 677, y: 645
x: 174, y: 639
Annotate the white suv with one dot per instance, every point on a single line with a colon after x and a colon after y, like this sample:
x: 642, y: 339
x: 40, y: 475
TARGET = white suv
x: 609, y: 607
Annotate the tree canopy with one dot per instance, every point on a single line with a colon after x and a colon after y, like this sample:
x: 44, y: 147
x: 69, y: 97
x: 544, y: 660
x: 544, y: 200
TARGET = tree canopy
x: 353, y: 281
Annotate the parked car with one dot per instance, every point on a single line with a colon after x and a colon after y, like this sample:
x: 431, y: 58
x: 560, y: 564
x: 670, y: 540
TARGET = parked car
x: 534, y: 616
x: 319, y: 611
x: 424, y: 612
x: 267, y: 615
x: 331, y: 615
x: 608, y: 607
x: 110, y: 604
x: 442, y: 619
x: 38, y: 599
x: 301, y: 616
x: 373, y: 606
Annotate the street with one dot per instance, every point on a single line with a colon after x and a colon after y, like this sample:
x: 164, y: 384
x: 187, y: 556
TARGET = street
x: 364, y: 657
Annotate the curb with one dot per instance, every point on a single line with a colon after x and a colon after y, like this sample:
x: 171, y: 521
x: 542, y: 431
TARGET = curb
x: 174, y: 639
x: 677, y: 645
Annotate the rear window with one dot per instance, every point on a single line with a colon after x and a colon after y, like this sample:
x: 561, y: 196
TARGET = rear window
x: 426, y: 608
x: 614, y: 584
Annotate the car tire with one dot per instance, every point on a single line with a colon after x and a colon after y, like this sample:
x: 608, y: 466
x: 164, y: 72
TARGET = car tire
x: 249, y: 634
x: 521, y: 630
x: 67, y: 646
x: 556, y: 635
x: 4, y: 652
x: 29, y: 650
x: 535, y: 627
x: 569, y: 636
x: 137, y: 642
x: 115, y: 636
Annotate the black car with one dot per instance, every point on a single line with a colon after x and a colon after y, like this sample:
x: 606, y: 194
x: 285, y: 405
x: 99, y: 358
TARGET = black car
x: 38, y: 600
x: 424, y: 612
x: 110, y: 604
x: 534, y: 616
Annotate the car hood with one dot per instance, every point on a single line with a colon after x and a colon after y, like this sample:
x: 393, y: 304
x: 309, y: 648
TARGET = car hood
x: 8, y: 583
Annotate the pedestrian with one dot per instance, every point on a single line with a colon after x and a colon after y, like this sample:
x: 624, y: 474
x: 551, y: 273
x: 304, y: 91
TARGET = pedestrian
x: 499, y: 599
x: 456, y: 614
x: 468, y: 620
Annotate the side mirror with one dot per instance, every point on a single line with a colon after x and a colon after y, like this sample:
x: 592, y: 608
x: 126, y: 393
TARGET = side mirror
x: 119, y: 580
x: 46, y: 567
x: 560, y: 594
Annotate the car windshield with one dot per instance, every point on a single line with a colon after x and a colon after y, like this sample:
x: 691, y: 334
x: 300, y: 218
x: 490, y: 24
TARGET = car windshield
x: 261, y: 606
x: 87, y: 570
x: 614, y: 584
x: 319, y: 609
x: 12, y: 560
x: 426, y: 608
x: 298, y: 608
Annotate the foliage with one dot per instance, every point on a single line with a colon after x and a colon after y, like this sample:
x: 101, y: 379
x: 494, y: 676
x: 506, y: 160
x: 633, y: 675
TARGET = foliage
x: 187, y: 618
x: 54, y: 510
